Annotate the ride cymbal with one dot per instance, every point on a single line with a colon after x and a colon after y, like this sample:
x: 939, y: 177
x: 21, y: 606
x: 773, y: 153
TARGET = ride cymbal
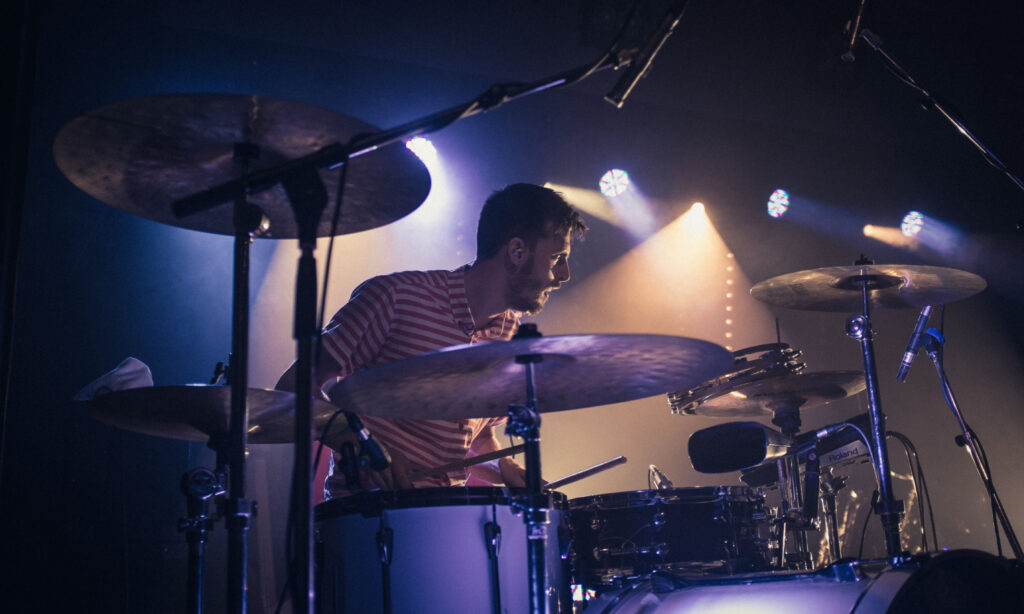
x: 890, y: 286
x: 481, y: 380
x: 141, y: 155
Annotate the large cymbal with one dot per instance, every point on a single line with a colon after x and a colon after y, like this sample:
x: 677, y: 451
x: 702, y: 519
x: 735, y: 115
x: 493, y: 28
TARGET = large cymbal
x: 782, y: 392
x: 890, y: 286
x: 479, y: 381
x: 197, y: 412
x: 140, y: 155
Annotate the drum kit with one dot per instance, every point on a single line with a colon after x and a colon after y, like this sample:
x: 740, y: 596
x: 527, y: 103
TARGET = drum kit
x: 515, y: 550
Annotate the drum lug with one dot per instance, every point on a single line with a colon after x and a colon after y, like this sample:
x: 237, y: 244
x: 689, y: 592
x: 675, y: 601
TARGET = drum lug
x: 385, y: 544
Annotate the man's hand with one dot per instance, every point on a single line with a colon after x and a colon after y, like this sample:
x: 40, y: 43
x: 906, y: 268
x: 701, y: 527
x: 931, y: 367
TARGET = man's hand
x: 512, y: 474
x: 395, y: 477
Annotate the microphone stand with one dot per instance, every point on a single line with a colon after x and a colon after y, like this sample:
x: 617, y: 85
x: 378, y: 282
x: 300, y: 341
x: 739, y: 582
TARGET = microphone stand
x: 934, y: 347
x: 930, y: 100
x: 308, y: 197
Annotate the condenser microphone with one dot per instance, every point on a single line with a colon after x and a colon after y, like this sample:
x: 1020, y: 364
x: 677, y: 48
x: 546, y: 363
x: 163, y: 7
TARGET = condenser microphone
x: 914, y: 343
x: 642, y: 59
x: 376, y: 453
x: 854, y: 27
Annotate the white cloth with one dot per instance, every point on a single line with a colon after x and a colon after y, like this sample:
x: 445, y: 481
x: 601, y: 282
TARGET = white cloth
x: 131, y: 373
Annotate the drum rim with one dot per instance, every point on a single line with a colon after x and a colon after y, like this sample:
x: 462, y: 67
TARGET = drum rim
x: 373, y: 503
x: 668, y: 496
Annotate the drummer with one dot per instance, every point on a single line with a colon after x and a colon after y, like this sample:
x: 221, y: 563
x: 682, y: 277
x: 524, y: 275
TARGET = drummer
x: 524, y: 238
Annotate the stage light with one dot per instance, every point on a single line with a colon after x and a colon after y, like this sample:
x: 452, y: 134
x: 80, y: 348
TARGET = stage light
x: 614, y: 182
x: 912, y: 224
x: 778, y: 203
x: 423, y: 148
x: 697, y: 208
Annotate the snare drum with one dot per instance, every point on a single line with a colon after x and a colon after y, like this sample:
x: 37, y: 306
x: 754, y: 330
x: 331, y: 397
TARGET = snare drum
x: 959, y: 581
x: 700, y: 531
x: 431, y: 545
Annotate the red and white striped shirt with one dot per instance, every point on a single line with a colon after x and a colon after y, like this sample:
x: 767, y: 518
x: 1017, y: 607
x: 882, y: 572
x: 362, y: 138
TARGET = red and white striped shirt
x: 398, y: 316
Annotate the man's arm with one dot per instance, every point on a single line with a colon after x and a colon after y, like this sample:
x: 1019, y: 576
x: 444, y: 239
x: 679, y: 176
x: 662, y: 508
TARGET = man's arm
x: 511, y: 473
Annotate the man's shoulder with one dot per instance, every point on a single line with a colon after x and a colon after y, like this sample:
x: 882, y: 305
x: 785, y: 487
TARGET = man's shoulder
x: 403, y: 280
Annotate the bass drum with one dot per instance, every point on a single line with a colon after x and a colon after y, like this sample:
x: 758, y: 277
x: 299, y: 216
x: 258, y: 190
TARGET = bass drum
x: 954, y: 582
x: 437, y: 540
x: 701, y: 531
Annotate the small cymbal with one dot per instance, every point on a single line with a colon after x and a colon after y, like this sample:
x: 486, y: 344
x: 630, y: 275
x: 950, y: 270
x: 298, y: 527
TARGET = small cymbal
x: 481, y: 380
x: 890, y: 286
x: 197, y: 412
x: 141, y: 155
x: 790, y: 391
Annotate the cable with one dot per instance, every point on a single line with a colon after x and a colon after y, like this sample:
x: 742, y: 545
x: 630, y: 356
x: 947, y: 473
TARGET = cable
x: 908, y: 447
x: 864, y: 531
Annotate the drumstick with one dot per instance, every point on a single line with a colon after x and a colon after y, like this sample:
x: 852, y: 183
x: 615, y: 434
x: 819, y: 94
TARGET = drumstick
x: 586, y: 473
x: 467, y: 462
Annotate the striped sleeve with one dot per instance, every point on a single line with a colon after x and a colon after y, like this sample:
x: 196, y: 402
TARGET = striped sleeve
x: 358, y: 331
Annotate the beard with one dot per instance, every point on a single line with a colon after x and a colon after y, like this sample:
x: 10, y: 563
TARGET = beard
x: 528, y: 294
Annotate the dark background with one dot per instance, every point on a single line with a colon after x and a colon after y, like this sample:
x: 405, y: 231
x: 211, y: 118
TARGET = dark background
x: 747, y: 96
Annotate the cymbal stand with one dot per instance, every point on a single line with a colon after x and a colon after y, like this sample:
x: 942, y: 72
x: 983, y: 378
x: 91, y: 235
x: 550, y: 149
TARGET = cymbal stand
x: 199, y: 485
x: 787, y: 418
x: 934, y: 345
x: 524, y: 421
x: 248, y: 221
x: 859, y: 327
x: 830, y: 487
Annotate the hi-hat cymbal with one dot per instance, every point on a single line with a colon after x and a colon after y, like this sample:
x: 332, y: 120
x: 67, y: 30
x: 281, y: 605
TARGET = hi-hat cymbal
x: 141, y: 155
x: 198, y: 412
x: 481, y: 380
x: 791, y: 391
x: 890, y: 286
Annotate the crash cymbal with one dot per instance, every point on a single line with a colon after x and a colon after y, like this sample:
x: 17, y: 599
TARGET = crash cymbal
x: 766, y: 396
x: 140, y: 155
x: 890, y: 286
x: 479, y: 381
x: 197, y: 412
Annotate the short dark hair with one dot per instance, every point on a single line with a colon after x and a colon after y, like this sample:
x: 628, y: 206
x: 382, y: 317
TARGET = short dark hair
x: 526, y: 211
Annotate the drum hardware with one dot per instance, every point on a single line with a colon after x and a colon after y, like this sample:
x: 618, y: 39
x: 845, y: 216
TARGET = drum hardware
x: 200, y: 486
x: 619, y: 537
x: 863, y: 286
x: 444, y: 542
x: 776, y: 386
x: 830, y: 487
x: 479, y: 380
x: 144, y: 154
x: 492, y: 538
x: 775, y: 359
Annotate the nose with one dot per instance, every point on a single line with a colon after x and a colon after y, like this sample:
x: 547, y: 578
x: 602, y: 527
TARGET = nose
x: 561, y: 272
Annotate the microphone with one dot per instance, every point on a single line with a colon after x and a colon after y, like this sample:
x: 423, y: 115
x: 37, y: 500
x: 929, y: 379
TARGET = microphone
x: 914, y: 343
x: 378, y: 456
x: 854, y: 27
x: 641, y: 61
x: 660, y: 480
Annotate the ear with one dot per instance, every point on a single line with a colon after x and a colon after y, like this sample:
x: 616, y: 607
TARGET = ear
x: 517, y: 250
